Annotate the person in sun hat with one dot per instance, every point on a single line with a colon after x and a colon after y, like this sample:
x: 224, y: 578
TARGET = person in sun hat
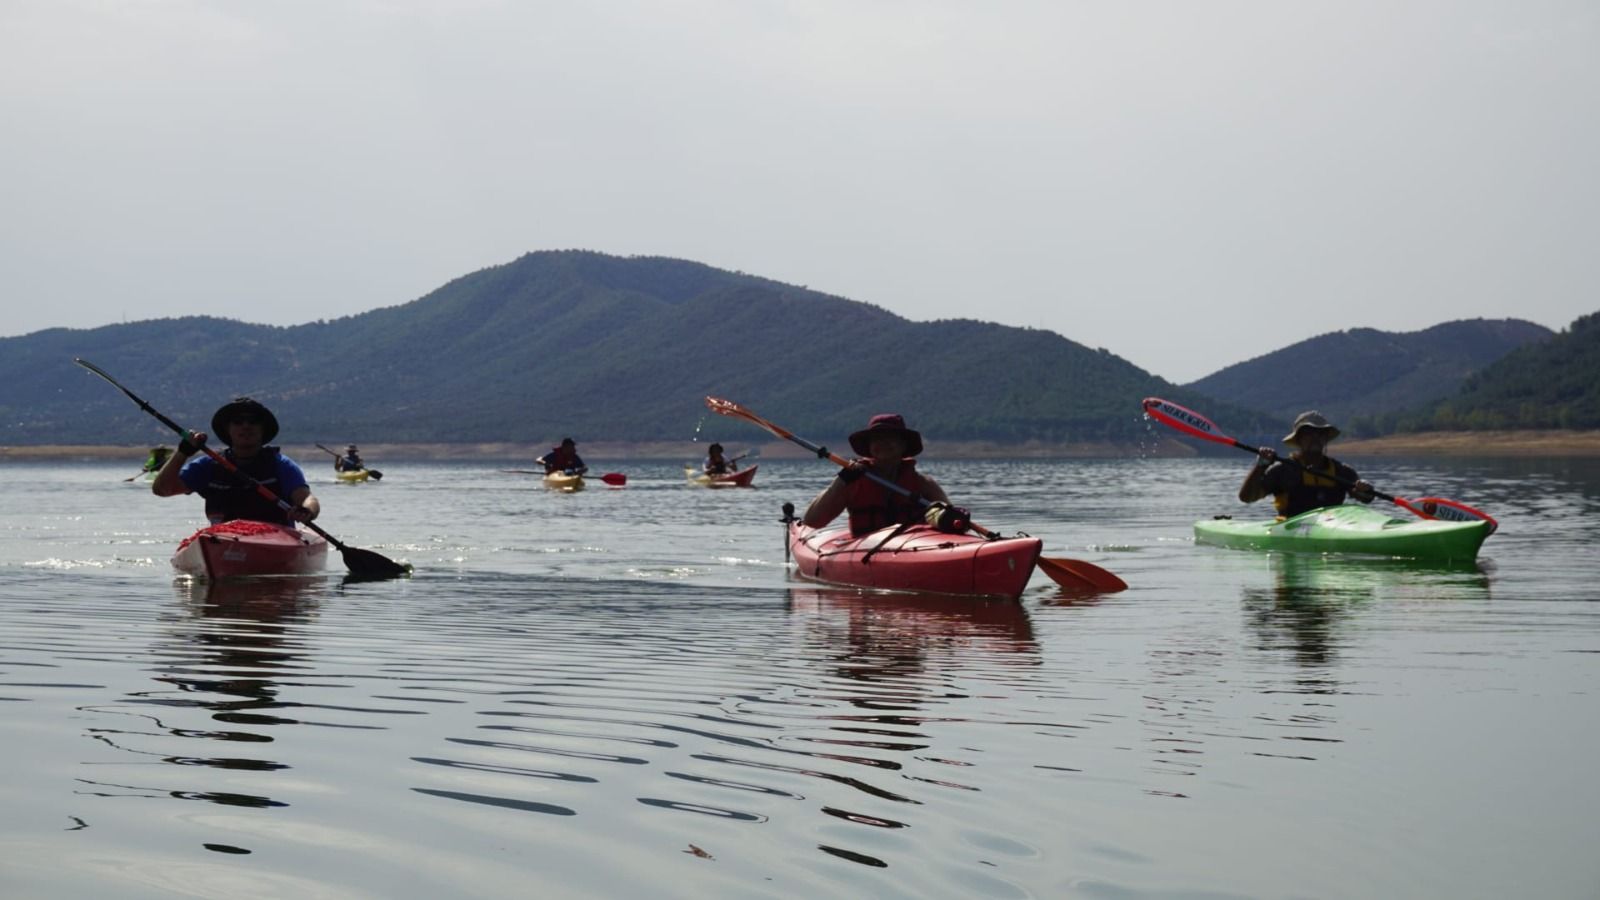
x: 350, y: 461
x: 886, y: 448
x: 563, y: 458
x: 157, y: 458
x: 246, y: 427
x: 1310, y: 485
x: 717, y: 464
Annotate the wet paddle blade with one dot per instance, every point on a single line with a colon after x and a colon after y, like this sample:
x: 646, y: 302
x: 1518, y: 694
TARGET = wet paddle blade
x: 376, y: 475
x: 1077, y: 574
x: 615, y: 479
x: 365, y: 565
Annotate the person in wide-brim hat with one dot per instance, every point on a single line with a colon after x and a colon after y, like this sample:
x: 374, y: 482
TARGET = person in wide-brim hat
x: 249, y: 480
x: 886, y: 449
x: 243, y: 409
x: 1311, y: 420
x: 886, y: 423
x: 1308, y: 479
x: 563, y: 458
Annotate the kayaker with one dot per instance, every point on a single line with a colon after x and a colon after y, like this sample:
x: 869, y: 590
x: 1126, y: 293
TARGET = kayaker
x: 245, y: 426
x: 1311, y: 485
x: 156, y: 459
x: 716, y: 464
x: 886, y: 448
x: 350, y: 461
x: 563, y: 458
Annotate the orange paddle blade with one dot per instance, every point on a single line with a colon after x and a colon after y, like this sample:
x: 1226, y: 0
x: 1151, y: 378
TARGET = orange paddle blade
x: 1075, y: 573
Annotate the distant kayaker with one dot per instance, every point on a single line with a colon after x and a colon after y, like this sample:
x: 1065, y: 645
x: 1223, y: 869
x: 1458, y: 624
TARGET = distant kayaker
x: 245, y: 426
x: 156, y: 459
x: 1311, y: 485
x: 716, y: 464
x: 563, y: 458
x: 885, y: 448
x: 350, y: 461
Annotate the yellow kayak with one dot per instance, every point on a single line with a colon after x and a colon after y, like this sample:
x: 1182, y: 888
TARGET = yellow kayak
x: 355, y: 477
x: 741, y: 478
x: 561, y: 481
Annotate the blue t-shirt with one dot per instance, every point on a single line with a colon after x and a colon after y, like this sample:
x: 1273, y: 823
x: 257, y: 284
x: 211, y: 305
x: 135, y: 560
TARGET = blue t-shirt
x: 231, y: 497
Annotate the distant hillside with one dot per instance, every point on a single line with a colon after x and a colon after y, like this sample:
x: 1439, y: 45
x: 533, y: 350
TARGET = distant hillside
x: 594, y: 346
x: 1550, y: 384
x: 1366, y: 372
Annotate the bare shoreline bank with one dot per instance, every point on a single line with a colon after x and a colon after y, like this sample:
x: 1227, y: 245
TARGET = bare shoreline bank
x: 1453, y: 443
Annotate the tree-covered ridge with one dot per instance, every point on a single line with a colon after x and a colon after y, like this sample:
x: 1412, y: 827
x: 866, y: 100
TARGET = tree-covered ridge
x: 595, y: 346
x: 1550, y: 384
x: 1365, y: 372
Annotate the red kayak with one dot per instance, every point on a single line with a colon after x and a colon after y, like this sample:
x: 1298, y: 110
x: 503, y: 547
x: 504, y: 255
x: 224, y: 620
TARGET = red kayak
x: 731, y: 479
x: 917, y: 558
x: 241, y: 548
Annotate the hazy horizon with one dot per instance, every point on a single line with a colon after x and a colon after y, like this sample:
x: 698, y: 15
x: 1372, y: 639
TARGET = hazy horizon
x: 1186, y: 185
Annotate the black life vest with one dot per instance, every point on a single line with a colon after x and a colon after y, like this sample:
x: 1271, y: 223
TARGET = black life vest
x: 230, y: 497
x: 1308, y: 489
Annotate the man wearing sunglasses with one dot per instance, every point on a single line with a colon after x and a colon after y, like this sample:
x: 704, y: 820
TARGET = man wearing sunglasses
x: 245, y: 426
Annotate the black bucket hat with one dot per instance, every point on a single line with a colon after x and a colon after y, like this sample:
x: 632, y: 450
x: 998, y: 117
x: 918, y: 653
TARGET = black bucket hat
x: 861, y: 441
x: 1310, y: 420
x: 244, y: 406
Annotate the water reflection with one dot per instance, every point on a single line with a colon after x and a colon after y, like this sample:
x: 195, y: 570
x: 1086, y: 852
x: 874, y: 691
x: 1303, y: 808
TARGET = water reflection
x: 894, y: 658
x: 229, y: 658
x: 1313, y: 597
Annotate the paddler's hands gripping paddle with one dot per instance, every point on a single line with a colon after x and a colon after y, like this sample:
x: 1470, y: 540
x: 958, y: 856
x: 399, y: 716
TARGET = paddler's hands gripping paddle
x: 1071, y: 573
x: 363, y: 564
x: 1195, y: 425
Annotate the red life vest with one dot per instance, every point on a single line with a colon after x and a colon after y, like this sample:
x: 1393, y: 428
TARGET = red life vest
x: 873, y: 506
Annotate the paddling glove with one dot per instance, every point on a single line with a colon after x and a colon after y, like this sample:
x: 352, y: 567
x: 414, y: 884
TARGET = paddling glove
x: 188, y: 447
x: 952, y: 519
x: 852, y: 472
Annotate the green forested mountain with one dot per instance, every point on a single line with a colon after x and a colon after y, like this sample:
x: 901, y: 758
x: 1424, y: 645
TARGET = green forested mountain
x: 1366, y: 372
x: 1549, y: 384
x: 595, y: 346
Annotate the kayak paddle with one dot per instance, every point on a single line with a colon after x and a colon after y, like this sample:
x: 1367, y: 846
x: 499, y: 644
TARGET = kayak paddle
x: 363, y: 564
x: 376, y: 475
x: 1195, y: 425
x: 615, y: 479
x: 1070, y: 573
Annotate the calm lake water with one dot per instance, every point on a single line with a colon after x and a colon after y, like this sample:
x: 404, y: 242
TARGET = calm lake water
x: 623, y: 693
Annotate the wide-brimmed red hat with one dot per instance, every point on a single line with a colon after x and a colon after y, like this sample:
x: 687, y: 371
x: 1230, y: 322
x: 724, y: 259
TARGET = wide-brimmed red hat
x: 861, y: 441
x: 248, y: 407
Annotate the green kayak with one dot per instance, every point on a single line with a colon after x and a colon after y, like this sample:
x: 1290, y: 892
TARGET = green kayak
x: 1349, y: 529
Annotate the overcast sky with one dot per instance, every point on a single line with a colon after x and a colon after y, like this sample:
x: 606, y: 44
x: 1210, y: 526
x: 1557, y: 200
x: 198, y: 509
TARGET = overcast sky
x: 1187, y: 184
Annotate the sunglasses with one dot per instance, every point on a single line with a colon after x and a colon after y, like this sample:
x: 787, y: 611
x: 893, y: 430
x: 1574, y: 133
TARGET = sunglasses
x: 245, y: 420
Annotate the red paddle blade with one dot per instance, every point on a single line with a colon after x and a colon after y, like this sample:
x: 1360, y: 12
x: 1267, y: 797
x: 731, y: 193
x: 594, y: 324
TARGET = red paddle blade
x: 1441, y: 508
x: 1185, y: 420
x: 614, y: 478
x: 1077, y: 574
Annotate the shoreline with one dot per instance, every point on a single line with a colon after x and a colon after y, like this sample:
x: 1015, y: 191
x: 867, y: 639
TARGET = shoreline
x: 1475, y: 443
x: 1437, y: 443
